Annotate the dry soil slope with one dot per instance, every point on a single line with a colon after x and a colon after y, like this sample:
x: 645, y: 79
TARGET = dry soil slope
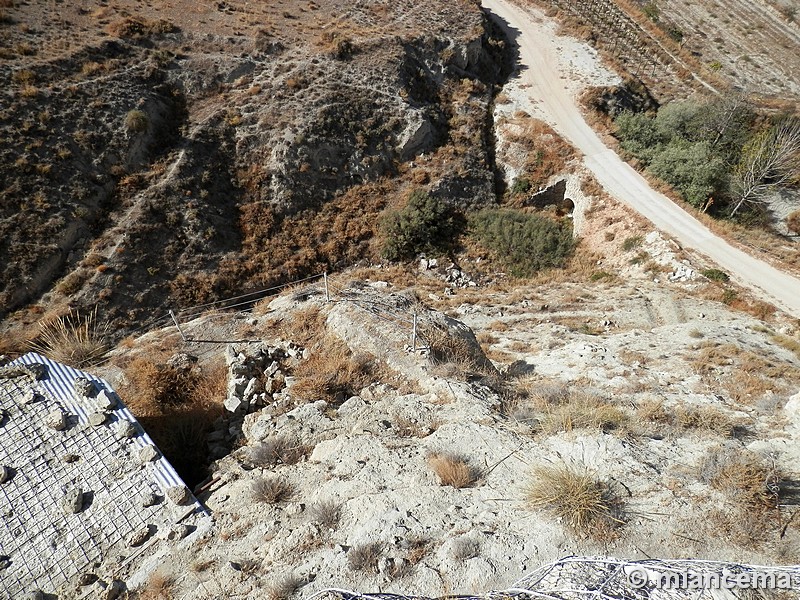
x: 537, y: 55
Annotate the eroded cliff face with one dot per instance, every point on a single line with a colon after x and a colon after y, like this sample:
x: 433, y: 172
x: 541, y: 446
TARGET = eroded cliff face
x: 169, y: 154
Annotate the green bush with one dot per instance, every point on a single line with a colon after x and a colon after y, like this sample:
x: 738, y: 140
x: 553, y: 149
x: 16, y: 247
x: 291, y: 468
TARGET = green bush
x: 691, y: 168
x: 639, y: 135
x: 632, y: 242
x: 523, y: 243
x: 521, y: 185
x: 425, y: 225
x: 136, y: 121
x: 715, y: 275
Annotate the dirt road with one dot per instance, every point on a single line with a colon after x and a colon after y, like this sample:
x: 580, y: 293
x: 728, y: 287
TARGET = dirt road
x: 539, y: 74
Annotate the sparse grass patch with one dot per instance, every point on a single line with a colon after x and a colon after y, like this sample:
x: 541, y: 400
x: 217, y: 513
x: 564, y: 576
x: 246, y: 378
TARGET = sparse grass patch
x: 74, y: 339
x: 271, y: 490
x: 749, y: 480
x: 419, y: 428
x: 453, y: 470
x: 632, y: 242
x: 333, y: 373
x: 585, y: 504
x: 789, y: 343
x: 160, y: 586
x: 580, y: 409
x: 364, y: 557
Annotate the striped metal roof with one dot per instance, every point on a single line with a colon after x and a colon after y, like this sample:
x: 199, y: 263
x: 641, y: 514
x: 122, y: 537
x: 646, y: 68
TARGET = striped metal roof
x: 42, y: 546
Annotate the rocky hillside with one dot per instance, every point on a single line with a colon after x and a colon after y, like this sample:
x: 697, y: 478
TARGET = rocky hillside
x: 149, y: 151
x: 620, y: 417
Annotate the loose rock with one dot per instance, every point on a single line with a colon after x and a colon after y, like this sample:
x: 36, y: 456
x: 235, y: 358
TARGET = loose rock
x: 149, y: 499
x: 105, y: 400
x: 178, y: 495
x: 148, y: 454
x: 139, y: 536
x: 73, y: 501
x: 5, y: 474
x: 84, y: 388
x: 56, y: 420
x: 97, y: 419
x: 127, y: 429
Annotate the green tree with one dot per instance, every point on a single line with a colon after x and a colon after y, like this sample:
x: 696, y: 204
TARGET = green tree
x: 426, y: 224
x: 693, y: 169
x: 639, y: 135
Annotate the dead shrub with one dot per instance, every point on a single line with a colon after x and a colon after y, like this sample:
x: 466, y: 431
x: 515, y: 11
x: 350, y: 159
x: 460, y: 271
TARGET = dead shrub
x: 73, y: 339
x: 453, y: 470
x: 160, y: 586
x: 364, y: 557
x: 277, y: 449
x: 750, y: 481
x: 271, y: 490
x: 585, y: 504
x: 177, y: 407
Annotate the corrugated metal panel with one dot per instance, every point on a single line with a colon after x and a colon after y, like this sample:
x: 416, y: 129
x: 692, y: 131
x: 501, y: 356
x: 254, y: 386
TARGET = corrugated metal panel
x: 59, y: 383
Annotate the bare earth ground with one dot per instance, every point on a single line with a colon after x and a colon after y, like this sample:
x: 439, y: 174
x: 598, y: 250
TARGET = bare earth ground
x: 540, y: 70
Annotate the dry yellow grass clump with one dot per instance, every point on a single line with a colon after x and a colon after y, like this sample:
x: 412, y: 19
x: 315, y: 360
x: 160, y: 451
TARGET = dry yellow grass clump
x: 453, y: 470
x: 583, y: 503
x: 73, y: 339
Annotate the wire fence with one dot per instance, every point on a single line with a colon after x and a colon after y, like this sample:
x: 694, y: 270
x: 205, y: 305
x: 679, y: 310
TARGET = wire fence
x: 332, y: 292
x: 586, y: 578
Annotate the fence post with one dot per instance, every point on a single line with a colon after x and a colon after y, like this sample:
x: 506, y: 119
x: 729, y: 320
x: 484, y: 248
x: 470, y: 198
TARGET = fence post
x: 327, y: 293
x: 414, y: 334
x: 175, y: 320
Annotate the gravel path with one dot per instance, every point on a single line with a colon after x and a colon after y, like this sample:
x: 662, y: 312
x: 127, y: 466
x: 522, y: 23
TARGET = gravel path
x: 543, y: 81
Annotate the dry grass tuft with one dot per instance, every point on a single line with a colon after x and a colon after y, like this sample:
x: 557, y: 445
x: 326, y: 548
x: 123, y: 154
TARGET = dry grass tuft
x: 465, y: 548
x: 75, y: 340
x: 283, y: 588
x: 453, y: 470
x: 272, y: 490
x: 585, y: 504
x: 327, y: 514
x: 365, y: 557
x: 160, y: 586
x: 277, y: 449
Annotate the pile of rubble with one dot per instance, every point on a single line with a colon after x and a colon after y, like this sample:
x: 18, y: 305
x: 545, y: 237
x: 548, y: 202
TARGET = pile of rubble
x: 257, y: 379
